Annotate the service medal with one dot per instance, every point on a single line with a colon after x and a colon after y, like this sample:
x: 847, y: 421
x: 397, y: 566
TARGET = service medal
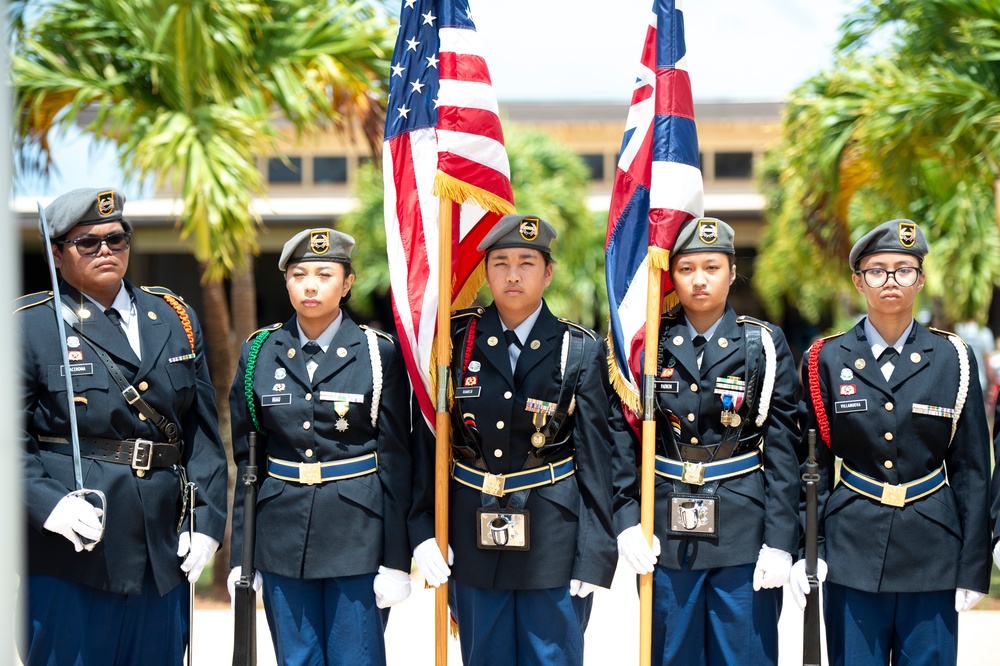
x: 341, y: 409
x: 538, y: 440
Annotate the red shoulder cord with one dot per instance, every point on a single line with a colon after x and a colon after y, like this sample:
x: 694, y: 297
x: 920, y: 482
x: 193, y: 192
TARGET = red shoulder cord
x: 185, y: 320
x: 470, y: 339
x: 814, y: 391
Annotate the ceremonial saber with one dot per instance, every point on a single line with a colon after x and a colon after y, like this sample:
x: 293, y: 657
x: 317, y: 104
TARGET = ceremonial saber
x: 191, y: 492
x: 70, y: 395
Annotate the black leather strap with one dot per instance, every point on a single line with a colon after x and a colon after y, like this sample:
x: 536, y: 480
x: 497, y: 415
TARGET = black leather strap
x: 136, y: 453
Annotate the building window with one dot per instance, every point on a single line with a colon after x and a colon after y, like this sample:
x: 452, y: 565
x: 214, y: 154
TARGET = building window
x: 329, y: 170
x: 279, y: 172
x: 733, y: 165
x: 596, y: 165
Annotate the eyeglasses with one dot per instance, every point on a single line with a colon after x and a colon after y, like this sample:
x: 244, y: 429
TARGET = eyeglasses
x: 878, y: 277
x: 89, y: 246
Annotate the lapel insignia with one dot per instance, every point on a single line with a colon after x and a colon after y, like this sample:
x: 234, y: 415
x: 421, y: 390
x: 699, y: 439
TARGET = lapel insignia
x: 535, y: 344
x: 723, y: 343
x: 492, y: 341
x: 151, y: 315
x: 860, y: 364
x: 341, y: 352
x: 291, y: 352
x: 678, y: 341
x: 915, y: 357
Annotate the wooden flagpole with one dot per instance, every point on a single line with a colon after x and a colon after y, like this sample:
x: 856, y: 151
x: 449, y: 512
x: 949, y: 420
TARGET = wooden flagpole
x: 442, y: 450
x: 646, y: 488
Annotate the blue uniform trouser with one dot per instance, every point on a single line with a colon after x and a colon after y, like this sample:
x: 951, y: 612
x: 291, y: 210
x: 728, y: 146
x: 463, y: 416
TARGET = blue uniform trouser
x: 70, y: 624
x: 326, y: 621
x: 905, y: 629
x: 713, y: 617
x: 520, y: 627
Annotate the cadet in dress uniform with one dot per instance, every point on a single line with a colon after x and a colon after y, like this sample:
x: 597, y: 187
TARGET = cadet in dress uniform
x: 99, y: 606
x: 906, y: 531
x: 726, y: 468
x: 530, y: 498
x: 330, y: 400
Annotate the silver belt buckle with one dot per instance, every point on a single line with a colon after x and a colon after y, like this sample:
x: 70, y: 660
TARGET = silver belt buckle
x: 142, y: 445
x: 493, y: 484
x: 693, y: 473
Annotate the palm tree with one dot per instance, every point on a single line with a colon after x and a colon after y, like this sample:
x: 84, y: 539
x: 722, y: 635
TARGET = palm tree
x: 550, y: 181
x: 190, y: 92
x: 908, y: 131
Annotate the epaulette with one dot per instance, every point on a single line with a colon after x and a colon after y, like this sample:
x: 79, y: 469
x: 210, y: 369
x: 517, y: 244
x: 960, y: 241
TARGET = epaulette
x: 381, y: 334
x: 833, y: 335
x: 272, y: 327
x: 476, y: 312
x: 31, y: 300
x: 162, y: 291
x: 743, y: 319
x: 586, y: 330
x: 947, y: 334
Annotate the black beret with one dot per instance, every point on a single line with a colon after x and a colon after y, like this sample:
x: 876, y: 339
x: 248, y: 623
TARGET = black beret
x: 89, y: 205
x: 892, y: 236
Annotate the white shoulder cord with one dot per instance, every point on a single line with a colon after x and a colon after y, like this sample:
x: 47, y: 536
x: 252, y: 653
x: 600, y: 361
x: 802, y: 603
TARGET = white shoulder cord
x: 562, y: 368
x: 963, y: 382
x: 376, y: 360
x: 770, y: 369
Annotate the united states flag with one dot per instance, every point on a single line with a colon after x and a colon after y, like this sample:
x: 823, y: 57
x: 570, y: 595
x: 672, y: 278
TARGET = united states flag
x: 443, y: 144
x: 658, y: 187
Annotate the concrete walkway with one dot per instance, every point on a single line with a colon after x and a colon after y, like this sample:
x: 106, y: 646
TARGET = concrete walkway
x: 612, y: 637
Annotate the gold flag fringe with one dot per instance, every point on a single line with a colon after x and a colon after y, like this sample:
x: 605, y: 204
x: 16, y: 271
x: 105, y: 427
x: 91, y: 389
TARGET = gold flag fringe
x: 628, y: 395
x: 451, y: 188
x: 659, y: 258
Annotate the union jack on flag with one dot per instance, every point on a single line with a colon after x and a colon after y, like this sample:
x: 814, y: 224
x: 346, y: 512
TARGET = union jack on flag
x: 443, y: 144
x: 658, y: 187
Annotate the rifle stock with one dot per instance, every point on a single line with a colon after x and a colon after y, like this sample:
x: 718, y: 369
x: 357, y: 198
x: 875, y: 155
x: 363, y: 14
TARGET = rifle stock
x: 811, y: 629
x: 245, y: 597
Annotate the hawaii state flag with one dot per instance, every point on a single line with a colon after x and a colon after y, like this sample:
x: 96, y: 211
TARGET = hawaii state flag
x: 443, y: 144
x: 658, y: 187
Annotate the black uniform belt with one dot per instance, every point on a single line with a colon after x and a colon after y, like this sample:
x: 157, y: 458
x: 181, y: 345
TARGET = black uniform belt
x: 139, y: 454
x: 889, y: 494
x: 698, y: 473
x: 499, y: 485
x: 313, y: 473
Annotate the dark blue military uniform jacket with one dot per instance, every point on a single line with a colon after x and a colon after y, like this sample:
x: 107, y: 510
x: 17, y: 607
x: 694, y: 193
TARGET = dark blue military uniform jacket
x: 339, y: 528
x: 571, y: 532
x: 755, y: 508
x: 143, y: 513
x: 940, y: 541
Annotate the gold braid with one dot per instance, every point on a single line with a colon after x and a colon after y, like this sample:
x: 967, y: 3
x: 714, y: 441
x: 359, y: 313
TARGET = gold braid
x: 185, y: 319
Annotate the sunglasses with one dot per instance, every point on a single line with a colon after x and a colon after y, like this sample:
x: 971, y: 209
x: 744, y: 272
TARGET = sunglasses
x: 89, y: 246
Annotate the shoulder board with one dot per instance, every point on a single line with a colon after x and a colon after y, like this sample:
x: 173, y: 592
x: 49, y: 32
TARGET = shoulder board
x: 586, y: 330
x: 476, y: 312
x: 947, y: 334
x: 272, y: 327
x: 31, y: 300
x: 377, y: 332
x: 834, y: 335
x: 743, y: 319
x: 162, y: 291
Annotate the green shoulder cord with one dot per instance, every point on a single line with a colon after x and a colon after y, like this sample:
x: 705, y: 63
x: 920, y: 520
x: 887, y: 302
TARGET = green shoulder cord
x: 248, y: 377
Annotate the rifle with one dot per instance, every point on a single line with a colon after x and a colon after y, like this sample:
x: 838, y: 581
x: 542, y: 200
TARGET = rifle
x: 245, y: 597
x: 811, y: 630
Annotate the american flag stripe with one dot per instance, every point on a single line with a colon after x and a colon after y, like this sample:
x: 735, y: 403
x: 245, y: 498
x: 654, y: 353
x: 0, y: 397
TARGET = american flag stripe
x: 442, y: 134
x: 658, y: 187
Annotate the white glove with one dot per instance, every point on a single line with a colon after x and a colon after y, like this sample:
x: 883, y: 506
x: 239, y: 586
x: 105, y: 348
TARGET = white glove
x: 431, y: 564
x: 578, y: 588
x: 773, y: 568
x: 798, y: 583
x: 391, y: 586
x: 74, y: 517
x: 234, y: 576
x: 637, y: 553
x: 196, y: 552
x: 996, y: 554
x: 966, y: 599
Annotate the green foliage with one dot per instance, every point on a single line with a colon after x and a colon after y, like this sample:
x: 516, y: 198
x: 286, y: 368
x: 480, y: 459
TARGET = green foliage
x: 913, y: 131
x: 194, y: 91
x: 550, y: 181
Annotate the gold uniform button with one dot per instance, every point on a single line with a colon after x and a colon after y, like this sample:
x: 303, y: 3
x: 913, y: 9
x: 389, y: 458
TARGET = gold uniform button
x: 499, y: 425
x: 888, y: 436
x: 497, y: 453
x: 888, y: 406
x: 309, y: 453
x: 507, y: 395
x: 142, y: 417
x: 306, y: 425
x: 694, y: 387
x: 694, y: 440
x: 691, y: 418
x: 143, y: 386
x: 309, y: 396
x: 888, y: 464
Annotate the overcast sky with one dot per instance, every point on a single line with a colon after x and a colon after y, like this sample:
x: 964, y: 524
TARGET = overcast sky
x: 589, y: 50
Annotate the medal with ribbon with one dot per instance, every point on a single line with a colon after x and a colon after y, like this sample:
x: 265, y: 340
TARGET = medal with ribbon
x: 542, y: 409
x: 732, y: 390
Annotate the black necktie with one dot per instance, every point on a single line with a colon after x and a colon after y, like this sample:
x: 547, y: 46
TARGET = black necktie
x: 512, y: 338
x: 116, y: 319
x: 888, y: 355
x: 311, y: 349
x: 699, y: 342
